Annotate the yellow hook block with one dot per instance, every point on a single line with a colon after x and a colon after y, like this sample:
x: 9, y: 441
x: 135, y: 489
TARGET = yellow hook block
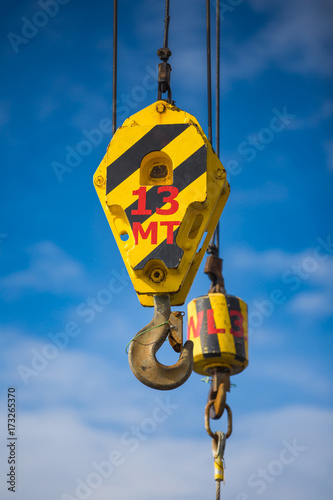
x: 162, y: 189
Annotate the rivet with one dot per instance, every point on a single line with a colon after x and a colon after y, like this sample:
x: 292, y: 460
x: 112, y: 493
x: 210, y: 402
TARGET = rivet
x: 219, y: 173
x: 160, y: 108
x: 99, y: 181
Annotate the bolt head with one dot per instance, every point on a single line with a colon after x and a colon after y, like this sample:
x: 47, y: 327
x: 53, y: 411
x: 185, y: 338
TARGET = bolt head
x: 157, y: 275
x: 99, y: 181
x: 160, y: 108
x: 219, y: 173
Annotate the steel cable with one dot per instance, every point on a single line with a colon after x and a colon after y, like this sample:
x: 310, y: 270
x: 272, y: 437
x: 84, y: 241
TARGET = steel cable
x: 217, y: 115
x: 209, y: 72
x: 215, y: 241
x: 166, y: 24
x: 218, y: 490
x: 114, y: 69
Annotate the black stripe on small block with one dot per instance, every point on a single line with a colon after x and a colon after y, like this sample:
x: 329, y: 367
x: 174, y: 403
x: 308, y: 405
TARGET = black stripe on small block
x: 209, y: 343
x: 211, y: 340
x: 234, y: 305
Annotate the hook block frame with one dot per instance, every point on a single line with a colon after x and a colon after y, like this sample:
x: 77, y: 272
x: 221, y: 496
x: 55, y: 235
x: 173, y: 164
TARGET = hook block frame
x: 163, y: 189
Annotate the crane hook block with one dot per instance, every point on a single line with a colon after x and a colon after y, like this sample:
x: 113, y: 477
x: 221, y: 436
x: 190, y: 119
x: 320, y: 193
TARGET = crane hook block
x: 218, y: 327
x: 163, y: 189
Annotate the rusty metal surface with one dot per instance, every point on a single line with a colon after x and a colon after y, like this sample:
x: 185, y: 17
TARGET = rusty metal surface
x: 218, y: 392
x: 176, y: 330
x: 143, y: 349
x: 164, y: 77
x: 213, y: 268
x: 207, y: 423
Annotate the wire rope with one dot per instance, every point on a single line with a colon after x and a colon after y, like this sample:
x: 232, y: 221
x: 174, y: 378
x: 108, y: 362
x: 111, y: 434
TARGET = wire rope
x: 114, y: 69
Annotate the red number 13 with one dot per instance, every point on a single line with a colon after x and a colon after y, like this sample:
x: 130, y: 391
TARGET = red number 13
x: 142, y: 200
x: 168, y: 199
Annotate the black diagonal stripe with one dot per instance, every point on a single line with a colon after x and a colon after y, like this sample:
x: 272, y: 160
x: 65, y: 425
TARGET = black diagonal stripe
x: 209, y: 342
x: 210, y: 347
x: 155, y: 140
x: 186, y: 173
x: 234, y: 305
x: 169, y: 254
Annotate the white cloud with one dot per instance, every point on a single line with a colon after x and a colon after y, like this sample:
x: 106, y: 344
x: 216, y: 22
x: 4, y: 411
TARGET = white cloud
x: 262, y: 440
x: 81, y: 408
x: 50, y: 270
x: 293, y: 446
x: 297, y: 372
x: 276, y: 262
x: 49, y: 373
x: 315, y: 303
x: 300, y: 36
x: 267, y: 337
x: 305, y: 280
x: 269, y: 263
x: 296, y: 39
x: 268, y: 193
x: 320, y: 115
x: 323, y: 275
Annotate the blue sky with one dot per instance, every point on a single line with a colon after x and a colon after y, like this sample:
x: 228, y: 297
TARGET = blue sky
x: 79, y: 406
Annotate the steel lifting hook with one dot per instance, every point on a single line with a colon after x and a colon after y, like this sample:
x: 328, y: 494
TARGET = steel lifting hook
x: 144, y: 346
